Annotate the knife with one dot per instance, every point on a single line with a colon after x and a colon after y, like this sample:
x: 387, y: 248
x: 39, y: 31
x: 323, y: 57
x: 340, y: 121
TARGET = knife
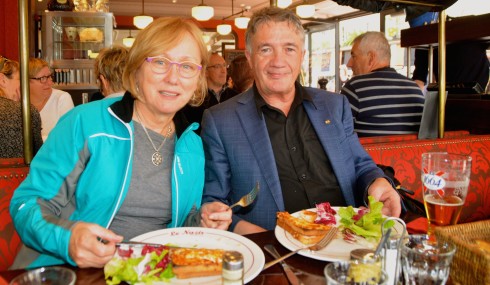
x: 293, y: 279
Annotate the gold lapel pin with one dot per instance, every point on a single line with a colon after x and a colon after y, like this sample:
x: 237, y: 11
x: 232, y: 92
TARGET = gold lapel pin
x: 327, y: 122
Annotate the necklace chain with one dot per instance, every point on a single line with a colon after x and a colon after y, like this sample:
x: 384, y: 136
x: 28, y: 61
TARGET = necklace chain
x: 156, y: 158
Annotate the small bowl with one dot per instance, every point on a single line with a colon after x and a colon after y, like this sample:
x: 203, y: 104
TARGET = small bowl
x: 54, y: 275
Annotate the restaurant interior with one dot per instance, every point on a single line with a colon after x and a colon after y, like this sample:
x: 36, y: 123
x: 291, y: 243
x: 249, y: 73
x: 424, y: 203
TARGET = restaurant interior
x: 70, y: 41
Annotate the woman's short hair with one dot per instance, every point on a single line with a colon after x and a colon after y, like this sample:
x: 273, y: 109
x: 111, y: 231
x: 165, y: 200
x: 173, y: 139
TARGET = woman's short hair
x: 111, y: 63
x: 272, y: 14
x: 161, y: 35
x: 8, y: 67
x: 35, y: 65
x: 241, y: 73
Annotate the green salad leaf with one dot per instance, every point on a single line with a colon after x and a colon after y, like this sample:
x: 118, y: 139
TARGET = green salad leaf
x: 365, y: 222
x: 153, y: 265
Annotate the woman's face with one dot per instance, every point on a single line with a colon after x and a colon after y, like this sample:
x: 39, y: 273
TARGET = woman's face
x: 165, y: 94
x: 38, y: 88
x: 11, y: 86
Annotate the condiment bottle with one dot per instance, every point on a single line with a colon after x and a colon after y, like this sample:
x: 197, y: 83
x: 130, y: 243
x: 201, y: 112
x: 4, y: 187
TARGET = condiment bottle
x: 232, y: 272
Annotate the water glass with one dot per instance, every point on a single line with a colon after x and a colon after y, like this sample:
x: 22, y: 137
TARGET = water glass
x: 54, y: 275
x: 426, y: 260
x: 445, y: 180
x: 355, y: 272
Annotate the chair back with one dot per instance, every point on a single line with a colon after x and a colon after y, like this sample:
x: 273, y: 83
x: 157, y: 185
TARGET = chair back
x: 12, y: 172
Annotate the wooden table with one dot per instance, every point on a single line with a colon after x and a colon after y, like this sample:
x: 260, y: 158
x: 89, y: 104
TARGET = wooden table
x: 310, y: 271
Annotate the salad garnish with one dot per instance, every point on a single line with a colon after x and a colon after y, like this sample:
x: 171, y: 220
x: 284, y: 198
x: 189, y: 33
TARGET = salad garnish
x: 129, y: 264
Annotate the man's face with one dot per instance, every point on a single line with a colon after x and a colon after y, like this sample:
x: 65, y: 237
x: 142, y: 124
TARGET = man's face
x: 216, y: 71
x: 359, y: 61
x: 277, y: 53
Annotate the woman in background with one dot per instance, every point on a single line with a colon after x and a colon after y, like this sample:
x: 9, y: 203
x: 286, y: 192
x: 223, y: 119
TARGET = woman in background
x: 11, y: 133
x: 51, y: 103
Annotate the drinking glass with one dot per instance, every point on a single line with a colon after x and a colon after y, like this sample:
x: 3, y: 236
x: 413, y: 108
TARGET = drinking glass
x: 445, y: 181
x: 426, y: 260
x: 356, y: 272
x: 54, y: 275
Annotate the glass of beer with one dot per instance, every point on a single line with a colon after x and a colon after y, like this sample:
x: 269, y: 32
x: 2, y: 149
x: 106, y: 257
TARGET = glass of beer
x: 445, y: 181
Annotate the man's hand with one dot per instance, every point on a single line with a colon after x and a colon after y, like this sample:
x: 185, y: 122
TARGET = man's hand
x: 382, y: 191
x: 87, y: 250
x: 215, y: 215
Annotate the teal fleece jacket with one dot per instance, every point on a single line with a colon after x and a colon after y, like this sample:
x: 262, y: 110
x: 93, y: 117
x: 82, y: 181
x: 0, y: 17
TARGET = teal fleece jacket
x: 83, y: 172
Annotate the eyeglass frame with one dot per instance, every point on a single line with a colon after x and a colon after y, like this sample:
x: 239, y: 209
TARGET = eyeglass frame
x: 219, y: 65
x: 43, y: 79
x: 171, y: 63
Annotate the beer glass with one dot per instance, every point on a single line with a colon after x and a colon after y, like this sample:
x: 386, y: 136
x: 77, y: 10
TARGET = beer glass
x: 445, y: 181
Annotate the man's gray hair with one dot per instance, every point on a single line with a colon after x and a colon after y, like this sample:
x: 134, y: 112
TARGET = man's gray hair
x: 375, y: 42
x: 272, y: 14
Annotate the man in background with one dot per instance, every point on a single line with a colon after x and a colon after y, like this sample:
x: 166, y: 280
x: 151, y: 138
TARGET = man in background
x: 383, y: 102
x: 109, y: 67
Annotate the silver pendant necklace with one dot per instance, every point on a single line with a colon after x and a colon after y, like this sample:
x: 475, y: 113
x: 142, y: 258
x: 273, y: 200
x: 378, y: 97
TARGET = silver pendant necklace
x: 156, y: 158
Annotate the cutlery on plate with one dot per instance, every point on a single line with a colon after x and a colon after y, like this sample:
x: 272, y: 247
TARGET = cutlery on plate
x: 329, y: 236
x: 293, y: 279
x: 249, y: 198
x: 136, y: 244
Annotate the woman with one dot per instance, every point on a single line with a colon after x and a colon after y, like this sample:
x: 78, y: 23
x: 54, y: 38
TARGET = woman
x: 11, y: 133
x: 51, y: 103
x: 117, y: 168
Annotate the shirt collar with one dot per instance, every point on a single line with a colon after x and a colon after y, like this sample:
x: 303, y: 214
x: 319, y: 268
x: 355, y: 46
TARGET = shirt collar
x: 300, y: 96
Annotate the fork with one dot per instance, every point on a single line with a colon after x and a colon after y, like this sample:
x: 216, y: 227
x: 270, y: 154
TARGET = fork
x: 329, y: 236
x: 249, y: 198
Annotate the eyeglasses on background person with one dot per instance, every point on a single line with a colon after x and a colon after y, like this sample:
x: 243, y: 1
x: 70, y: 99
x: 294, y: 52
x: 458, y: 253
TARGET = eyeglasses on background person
x: 43, y: 79
x: 216, y: 66
x: 161, y: 65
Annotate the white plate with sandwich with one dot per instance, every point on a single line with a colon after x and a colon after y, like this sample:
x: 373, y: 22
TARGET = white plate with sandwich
x: 196, y: 237
x: 337, y: 250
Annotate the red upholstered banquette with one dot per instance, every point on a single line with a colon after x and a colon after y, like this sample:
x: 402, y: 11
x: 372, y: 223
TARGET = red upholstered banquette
x: 12, y: 172
x: 404, y: 153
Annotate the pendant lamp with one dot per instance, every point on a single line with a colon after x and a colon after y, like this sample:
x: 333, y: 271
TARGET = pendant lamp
x: 142, y: 21
x: 284, y: 3
x: 223, y: 29
x: 202, y: 12
x: 128, y: 41
x: 305, y: 10
x: 242, y: 22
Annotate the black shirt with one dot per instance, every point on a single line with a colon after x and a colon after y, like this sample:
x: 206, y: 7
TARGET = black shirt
x: 305, y: 172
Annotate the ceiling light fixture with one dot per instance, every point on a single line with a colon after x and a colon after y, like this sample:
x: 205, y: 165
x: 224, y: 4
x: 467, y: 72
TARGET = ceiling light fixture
x: 242, y: 22
x: 128, y: 41
x: 202, y: 12
x: 223, y: 29
x: 305, y: 10
x: 284, y: 3
x: 142, y: 21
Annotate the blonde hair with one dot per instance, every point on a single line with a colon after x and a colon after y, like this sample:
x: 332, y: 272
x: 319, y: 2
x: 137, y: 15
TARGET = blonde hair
x: 160, y: 36
x: 111, y: 63
x: 8, y: 69
x: 35, y: 65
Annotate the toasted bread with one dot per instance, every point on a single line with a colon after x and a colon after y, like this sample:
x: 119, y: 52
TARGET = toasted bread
x: 196, y: 262
x: 304, y: 231
x: 309, y: 216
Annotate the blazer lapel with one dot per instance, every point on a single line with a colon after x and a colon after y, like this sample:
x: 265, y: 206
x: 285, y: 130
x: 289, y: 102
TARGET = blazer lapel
x: 255, y: 129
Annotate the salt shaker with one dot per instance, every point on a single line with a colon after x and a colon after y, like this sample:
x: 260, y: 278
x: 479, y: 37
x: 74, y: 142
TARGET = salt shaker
x: 232, y: 273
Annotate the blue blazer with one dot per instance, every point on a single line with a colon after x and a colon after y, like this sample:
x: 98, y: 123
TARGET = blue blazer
x: 238, y: 153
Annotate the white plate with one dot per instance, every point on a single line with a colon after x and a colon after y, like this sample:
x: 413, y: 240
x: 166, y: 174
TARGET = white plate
x: 336, y: 250
x: 253, y: 257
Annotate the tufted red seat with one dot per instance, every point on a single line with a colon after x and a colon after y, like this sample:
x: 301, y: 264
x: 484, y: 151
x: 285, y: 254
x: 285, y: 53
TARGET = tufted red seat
x: 404, y: 153
x: 12, y: 172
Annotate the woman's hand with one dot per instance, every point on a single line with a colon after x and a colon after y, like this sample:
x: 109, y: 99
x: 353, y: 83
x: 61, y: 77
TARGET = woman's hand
x: 215, y: 215
x: 86, y: 248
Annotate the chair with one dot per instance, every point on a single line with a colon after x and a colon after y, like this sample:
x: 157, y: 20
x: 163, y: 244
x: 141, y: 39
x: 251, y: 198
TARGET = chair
x: 12, y: 172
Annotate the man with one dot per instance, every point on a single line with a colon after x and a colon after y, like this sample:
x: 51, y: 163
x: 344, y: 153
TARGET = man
x: 383, y: 102
x: 297, y: 142
x: 216, y: 75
